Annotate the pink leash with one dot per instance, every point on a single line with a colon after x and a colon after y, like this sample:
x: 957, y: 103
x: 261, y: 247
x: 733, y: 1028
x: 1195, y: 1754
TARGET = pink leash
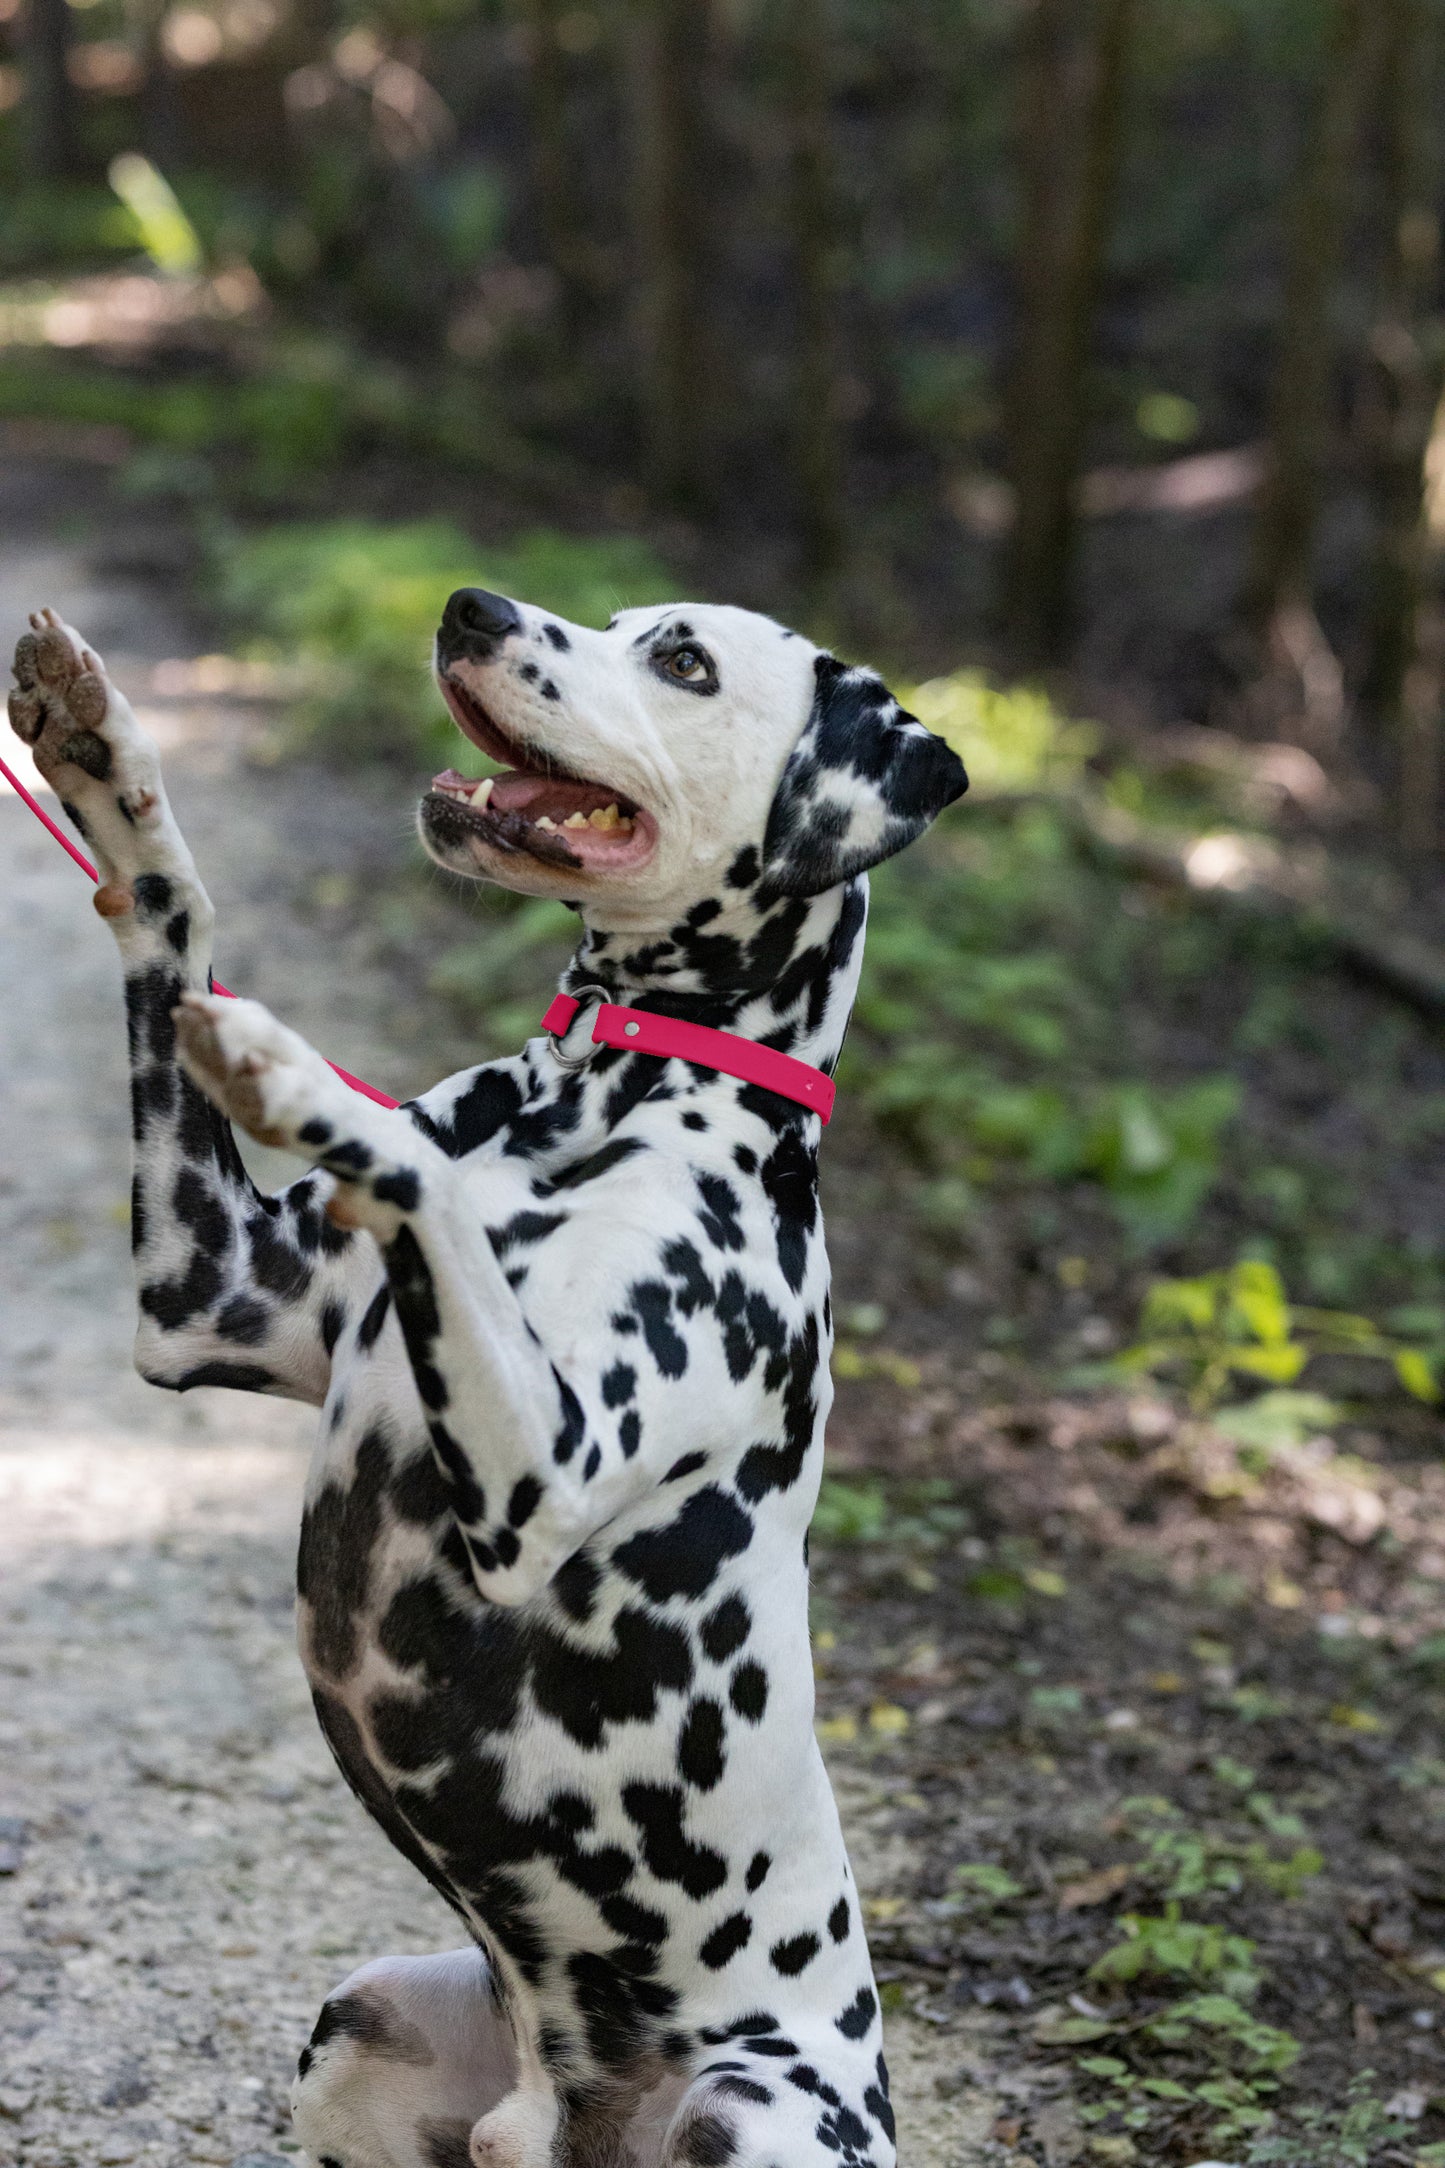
x: 368, y: 1091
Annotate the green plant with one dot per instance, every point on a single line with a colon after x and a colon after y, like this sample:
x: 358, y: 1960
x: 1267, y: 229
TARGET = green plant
x: 1321, y: 2137
x: 1011, y: 738
x: 1188, y: 1862
x: 1171, y: 1947
x: 984, y: 1879
x: 850, y: 1512
x: 1239, y: 1324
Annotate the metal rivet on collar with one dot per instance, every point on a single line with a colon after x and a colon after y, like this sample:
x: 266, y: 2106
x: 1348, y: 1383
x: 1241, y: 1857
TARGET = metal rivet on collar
x: 630, y: 1031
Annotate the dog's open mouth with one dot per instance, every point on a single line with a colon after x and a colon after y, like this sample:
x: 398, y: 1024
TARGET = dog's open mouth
x: 553, y: 815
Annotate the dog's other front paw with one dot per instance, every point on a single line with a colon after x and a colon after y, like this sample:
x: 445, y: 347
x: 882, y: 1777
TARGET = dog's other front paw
x: 260, y: 1073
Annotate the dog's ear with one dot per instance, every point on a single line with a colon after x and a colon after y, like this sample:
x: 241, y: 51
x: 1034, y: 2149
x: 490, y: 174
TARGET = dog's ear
x: 864, y: 779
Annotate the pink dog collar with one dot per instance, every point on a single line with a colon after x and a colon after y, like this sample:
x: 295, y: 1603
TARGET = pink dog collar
x: 639, y: 1031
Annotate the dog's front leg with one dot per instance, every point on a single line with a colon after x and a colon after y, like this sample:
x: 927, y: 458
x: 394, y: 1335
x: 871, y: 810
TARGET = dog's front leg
x: 235, y: 1288
x: 504, y: 1424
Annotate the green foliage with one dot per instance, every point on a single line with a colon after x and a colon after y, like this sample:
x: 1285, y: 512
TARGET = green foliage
x: 164, y: 231
x: 1352, y: 2137
x: 984, y: 1879
x: 1157, y: 2070
x: 1188, y: 1862
x: 63, y: 225
x: 1239, y: 1325
x: 919, y: 1515
x: 355, y: 605
x: 1171, y: 1947
x: 1010, y: 738
x: 850, y: 1512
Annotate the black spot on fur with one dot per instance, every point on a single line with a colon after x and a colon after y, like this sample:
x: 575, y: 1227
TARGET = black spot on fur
x: 652, y: 1300
x: 524, y: 1501
x: 859, y: 2015
x: 241, y: 1377
x: 726, y: 1629
x: 683, y: 1558
x: 575, y: 1585
x: 794, y: 1955
x: 749, y: 1691
x: 657, y: 1809
x: 586, y: 1690
x: 740, y: 2088
x: 727, y: 1938
x: 338, y: 1534
x: 757, y: 1872
x: 368, y: 1332
x: 700, y: 1756
x: 838, y: 1920
x: 403, y: 1189
x: 618, y: 1385
x: 243, y: 1319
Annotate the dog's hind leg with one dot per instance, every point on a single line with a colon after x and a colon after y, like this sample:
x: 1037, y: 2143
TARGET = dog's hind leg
x: 235, y: 1288
x: 407, y: 2055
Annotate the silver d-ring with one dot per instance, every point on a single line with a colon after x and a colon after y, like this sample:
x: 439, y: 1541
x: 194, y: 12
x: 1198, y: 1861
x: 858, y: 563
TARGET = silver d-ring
x: 580, y: 995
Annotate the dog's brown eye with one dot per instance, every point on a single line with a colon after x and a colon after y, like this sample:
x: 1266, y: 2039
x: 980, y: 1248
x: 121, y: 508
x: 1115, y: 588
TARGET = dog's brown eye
x: 687, y: 663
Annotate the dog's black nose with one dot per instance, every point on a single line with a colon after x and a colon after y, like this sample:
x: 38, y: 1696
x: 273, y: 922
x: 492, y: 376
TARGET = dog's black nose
x: 474, y: 622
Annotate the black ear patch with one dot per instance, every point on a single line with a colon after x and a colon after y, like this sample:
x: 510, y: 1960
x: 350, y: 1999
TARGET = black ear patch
x: 864, y: 779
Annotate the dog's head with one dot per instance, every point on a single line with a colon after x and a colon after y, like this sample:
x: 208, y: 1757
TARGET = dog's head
x: 682, y: 748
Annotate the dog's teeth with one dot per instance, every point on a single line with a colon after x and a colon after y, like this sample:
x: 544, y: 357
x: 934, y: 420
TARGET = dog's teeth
x: 626, y: 825
x: 575, y: 820
x: 483, y: 792
x: 606, y: 817
x: 546, y: 822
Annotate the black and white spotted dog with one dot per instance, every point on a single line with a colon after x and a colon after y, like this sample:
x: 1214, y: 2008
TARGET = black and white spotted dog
x: 568, y: 1319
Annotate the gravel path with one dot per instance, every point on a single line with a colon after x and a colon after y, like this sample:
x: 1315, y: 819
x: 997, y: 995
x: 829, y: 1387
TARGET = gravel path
x: 184, y: 1875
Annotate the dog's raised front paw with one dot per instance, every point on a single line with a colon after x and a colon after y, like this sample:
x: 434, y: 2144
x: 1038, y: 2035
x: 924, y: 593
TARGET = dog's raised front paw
x: 259, y: 1072
x: 66, y: 709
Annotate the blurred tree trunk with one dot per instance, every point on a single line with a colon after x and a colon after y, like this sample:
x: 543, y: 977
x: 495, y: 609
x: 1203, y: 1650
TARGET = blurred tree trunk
x: 815, y: 430
x: 52, y: 131
x: 1279, y: 592
x: 1071, y: 126
x: 160, y: 117
x: 560, y: 212
x: 1402, y: 682
x: 671, y: 83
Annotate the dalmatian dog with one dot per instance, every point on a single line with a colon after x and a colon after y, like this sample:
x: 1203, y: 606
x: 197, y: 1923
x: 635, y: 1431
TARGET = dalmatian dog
x: 567, y: 1319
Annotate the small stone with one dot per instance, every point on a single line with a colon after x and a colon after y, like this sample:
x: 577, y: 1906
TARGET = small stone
x: 16, y: 2099
x: 111, y: 2151
x: 11, y: 1858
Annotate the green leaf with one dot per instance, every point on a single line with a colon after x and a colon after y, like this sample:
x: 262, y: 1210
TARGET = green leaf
x: 1417, y: 1374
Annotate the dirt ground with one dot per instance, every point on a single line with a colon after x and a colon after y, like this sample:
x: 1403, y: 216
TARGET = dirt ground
x: 182, y: 1874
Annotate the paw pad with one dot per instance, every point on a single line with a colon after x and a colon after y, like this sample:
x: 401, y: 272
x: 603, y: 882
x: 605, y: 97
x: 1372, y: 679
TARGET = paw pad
x: 27, y: 716
x: 54, y: 657
x: 86, y: 700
